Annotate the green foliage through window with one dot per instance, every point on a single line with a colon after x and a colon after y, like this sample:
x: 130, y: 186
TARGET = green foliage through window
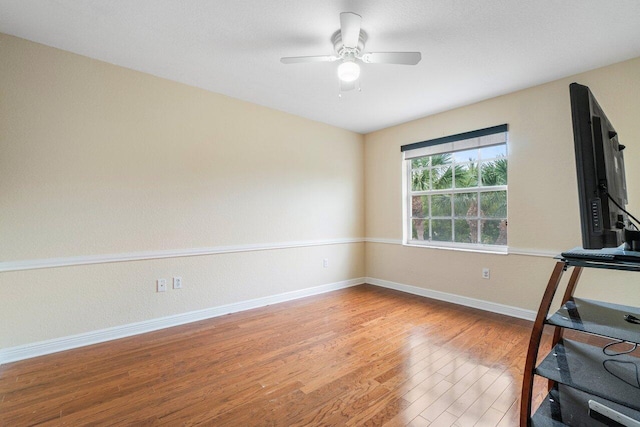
x: 460, y: 197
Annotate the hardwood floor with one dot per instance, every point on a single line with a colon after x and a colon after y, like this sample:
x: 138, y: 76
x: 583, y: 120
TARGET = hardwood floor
x: 363, y: 356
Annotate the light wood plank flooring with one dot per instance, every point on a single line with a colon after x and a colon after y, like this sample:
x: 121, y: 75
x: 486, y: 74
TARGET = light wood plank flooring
x: 363, y: 356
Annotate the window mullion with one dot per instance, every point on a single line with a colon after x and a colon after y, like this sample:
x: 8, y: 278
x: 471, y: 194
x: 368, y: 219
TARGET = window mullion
x: 479, y: 228
x: 462, y: 221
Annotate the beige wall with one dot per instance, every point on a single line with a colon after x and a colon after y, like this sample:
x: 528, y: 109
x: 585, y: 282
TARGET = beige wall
x: 542, y: 205
x: 100, y: 160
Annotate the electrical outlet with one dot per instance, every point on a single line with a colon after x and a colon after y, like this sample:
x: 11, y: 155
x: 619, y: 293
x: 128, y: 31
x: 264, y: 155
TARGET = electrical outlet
x: 162, y: 285
x: 325, y: 262
x: 177, y: 283
x: 486, y: 273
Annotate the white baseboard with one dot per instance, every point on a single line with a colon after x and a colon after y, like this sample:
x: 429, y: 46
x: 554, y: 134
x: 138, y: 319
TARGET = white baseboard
x: 456, y: 299
x: 27, y: 351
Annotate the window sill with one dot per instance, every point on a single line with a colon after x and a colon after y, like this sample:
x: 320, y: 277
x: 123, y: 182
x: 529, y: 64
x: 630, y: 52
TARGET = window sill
x: 485, y: 249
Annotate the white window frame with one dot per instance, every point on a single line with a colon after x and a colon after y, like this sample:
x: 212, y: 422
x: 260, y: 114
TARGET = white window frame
x: 497, y: 135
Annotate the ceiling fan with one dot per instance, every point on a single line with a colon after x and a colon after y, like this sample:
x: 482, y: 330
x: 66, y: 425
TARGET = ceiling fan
x: 348, y: 43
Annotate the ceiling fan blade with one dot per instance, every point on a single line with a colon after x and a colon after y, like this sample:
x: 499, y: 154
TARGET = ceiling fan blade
x: 404, y: 58
x: 300, y: 59
x: 350, y: 29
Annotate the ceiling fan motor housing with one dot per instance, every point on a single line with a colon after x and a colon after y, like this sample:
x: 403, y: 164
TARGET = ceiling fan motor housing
x: 348, y: 52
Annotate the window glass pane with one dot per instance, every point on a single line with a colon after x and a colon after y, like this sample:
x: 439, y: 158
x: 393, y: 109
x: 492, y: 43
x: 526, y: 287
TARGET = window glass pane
x: 494, y: 151
x: 494, y: 232
x: 441, y: 159
x: 493, y: 204
x: 441, y: 205
x: 420, y: 229
x: 466, y: 156
x: 441, y: 230
x: 420, y: 180
x: 441, y: 178
x: 466, y: 175
x: 452, y: 205
x: 465, y: 204
x: 420, y: 162
x: 494, y: 172
x: 466, y: 231
x: 420, y: 206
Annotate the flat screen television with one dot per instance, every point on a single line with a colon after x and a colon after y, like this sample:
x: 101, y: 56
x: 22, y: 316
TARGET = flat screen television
x: 602, y: 189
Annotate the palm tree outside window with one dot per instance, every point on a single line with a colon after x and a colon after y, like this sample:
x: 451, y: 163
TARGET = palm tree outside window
x: 458, y: 197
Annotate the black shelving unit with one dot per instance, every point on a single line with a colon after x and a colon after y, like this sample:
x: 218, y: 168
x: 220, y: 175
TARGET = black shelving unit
x: 580, y: 372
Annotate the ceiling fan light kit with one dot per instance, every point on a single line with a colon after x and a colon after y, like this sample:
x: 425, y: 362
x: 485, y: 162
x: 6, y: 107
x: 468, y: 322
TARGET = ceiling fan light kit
x: 348, y: 71
x: 348, y: 43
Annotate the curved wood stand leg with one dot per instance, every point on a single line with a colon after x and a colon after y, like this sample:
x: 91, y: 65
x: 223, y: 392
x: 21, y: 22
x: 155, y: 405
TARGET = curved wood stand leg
x: 534, y: 343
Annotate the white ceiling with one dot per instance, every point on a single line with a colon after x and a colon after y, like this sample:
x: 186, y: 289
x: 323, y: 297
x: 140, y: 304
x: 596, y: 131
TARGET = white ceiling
x: 471, y: 49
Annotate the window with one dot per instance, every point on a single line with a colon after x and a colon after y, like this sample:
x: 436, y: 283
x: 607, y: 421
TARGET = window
x: 456, y: 190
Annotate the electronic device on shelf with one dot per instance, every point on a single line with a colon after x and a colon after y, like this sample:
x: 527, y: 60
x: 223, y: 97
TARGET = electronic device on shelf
x: 603, y: 255
x: 609, y: 417
x: 600, y: 169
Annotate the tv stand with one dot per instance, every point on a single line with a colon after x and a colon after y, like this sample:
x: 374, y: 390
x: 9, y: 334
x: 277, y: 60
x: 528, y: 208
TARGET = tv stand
x: 586, y: 386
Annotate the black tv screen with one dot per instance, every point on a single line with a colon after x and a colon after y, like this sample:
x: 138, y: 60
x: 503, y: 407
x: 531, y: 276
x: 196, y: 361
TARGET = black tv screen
x: 602, y: 187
